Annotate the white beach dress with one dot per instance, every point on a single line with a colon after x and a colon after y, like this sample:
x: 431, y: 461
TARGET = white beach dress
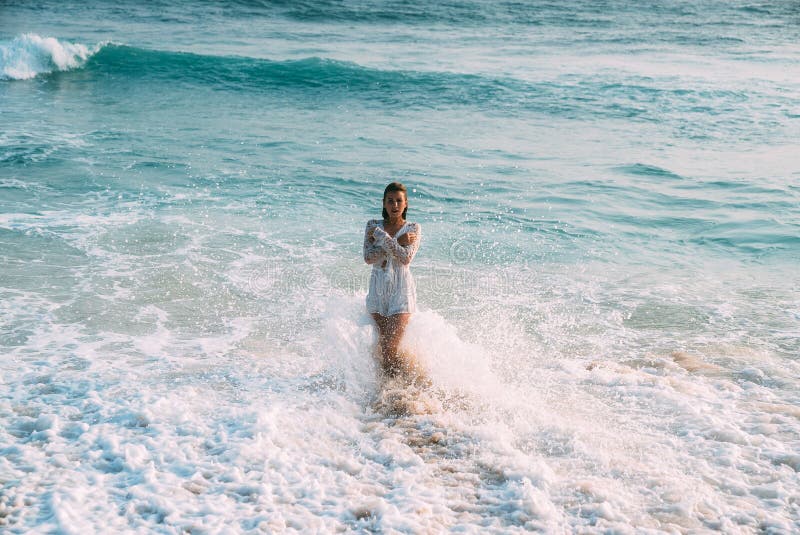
x: 391, y: 286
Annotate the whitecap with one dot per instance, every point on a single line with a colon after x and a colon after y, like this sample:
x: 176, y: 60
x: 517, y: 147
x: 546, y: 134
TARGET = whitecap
x: 29, y: 55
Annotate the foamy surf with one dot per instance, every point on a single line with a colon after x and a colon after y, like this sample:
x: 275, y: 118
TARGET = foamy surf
x: 30, y: 55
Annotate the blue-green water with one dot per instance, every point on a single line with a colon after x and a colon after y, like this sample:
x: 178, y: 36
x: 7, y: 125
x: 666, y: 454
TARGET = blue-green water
x: 610, y: 200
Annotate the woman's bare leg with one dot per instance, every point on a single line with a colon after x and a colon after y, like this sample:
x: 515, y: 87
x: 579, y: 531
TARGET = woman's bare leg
x: 380, y: 321
x: 393, y: 363
x: 390, y: 332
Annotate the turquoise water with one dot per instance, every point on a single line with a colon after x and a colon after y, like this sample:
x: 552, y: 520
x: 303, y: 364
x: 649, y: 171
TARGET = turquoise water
x: 610, y: 300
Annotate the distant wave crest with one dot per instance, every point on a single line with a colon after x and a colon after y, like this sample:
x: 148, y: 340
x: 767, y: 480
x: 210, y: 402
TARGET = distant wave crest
x: 314, y: 79
x: 30, y: 55
x: 328, y: 77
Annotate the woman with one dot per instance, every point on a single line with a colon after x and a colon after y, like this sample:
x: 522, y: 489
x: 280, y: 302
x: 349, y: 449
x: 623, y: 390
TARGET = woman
x: 390, y: 245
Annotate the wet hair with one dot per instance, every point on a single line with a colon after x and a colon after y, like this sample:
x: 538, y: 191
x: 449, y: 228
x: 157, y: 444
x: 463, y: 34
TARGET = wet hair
x: 395, y: 186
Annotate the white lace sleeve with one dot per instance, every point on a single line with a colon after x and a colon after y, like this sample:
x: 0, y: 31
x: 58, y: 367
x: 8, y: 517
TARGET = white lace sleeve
x: 403, y: 253
x: 372, y: 251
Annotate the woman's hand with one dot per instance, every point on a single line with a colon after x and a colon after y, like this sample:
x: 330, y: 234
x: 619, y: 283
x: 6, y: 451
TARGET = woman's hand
x: 407, y: 238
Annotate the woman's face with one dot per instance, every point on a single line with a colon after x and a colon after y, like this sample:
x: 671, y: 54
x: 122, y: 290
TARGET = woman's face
x: 395, y: 204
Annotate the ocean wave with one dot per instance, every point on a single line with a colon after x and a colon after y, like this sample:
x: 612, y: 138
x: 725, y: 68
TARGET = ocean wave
x: 321, y: 79
x: 250, y: 73
x: 30, y: 55
x: 324, y: 80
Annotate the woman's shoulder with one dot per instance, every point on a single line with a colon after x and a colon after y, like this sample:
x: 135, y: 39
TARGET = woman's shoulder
x: 413, y: 225
x: 373, y: 222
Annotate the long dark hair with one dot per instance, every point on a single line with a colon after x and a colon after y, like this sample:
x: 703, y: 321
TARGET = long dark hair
x: 395, y: 186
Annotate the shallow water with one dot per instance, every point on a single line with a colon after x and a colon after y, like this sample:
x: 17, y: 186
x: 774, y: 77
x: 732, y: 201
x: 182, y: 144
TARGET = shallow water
x: 610, y: 301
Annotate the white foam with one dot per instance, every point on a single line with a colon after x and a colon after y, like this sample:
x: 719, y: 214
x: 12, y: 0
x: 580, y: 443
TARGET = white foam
x: 29, y: 55
x: 287, y: 441
x: 254, y: 408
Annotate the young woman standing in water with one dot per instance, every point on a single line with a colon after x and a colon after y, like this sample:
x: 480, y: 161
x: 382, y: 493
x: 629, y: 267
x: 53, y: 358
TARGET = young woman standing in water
x: 389, y: 245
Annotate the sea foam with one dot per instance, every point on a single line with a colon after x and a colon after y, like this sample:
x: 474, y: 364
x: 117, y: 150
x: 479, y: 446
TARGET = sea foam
x: 29, y: 55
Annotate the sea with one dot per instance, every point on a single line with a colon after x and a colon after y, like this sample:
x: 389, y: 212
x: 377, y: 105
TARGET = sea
x: 608, y: 280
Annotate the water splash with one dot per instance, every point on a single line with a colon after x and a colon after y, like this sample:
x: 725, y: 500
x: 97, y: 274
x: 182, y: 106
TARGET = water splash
x: 30, y: 55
